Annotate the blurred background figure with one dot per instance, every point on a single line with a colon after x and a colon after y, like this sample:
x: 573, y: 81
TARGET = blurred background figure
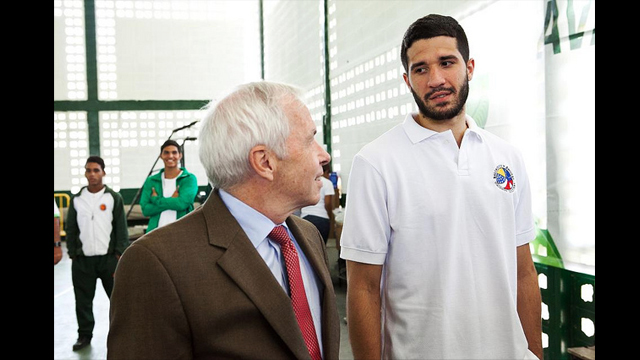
x: 57, y: 245
x: 321, y: 214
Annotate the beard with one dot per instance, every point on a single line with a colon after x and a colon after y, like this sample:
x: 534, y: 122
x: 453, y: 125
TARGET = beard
x: 440, y: 112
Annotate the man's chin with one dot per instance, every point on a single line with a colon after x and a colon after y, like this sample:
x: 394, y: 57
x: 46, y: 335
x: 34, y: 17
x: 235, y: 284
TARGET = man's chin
x: 313, y: 201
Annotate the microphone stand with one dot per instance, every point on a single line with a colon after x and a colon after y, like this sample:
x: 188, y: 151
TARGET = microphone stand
x: 137, y: 197
x: 183, y: 142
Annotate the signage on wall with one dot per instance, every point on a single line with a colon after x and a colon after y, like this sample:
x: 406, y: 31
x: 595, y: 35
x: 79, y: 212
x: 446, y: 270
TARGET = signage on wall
x: 570, y: 19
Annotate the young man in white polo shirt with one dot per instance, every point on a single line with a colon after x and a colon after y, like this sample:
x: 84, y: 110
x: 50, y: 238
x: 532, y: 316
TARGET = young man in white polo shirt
x: 437, y: 224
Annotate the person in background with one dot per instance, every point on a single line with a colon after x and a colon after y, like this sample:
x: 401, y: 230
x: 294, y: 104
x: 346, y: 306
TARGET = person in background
x: 169, y: 194
x: 321, y: 213
x: 97, y: 235
x: 437, y: 224
x: 239, y: 277
x: 57, y: 245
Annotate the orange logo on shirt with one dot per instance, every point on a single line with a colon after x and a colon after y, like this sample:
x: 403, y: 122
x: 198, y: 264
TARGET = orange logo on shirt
x: 103, y: 207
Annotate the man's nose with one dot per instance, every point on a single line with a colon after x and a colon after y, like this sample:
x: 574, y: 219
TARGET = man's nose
x: 436, y: 78
x: 324, y: 157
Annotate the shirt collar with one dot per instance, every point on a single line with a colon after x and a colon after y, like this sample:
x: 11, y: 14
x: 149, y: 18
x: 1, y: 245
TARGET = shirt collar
x: 417, y: 133
x: 474, y: 128
x: 255, y: 224
x: 414, y: 131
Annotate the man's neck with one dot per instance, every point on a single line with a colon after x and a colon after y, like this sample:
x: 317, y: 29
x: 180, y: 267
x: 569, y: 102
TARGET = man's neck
x: 170, y: 173
x: 261, y: 202
x: 95, y: 188
x: 457, y: 125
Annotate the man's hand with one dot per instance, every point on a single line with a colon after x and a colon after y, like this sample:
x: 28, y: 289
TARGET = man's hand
x: 153, y: 191
x: 175, y: 193
x: 57, y: 254
x: 57, y: 250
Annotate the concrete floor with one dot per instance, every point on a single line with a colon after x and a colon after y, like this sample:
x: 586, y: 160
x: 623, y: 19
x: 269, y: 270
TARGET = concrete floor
x: 65, y: 328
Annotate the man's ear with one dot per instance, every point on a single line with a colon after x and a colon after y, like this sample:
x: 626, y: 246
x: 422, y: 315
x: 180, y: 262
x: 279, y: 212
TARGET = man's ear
x: 471, y: 66
x: 407, y: 80
x: 262, y: 161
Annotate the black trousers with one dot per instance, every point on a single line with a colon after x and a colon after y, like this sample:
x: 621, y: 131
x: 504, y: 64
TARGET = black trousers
x: 85, y: 272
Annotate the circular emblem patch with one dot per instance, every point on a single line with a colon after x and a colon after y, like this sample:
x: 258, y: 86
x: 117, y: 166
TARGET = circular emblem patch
x: 504, y: 178
x: 103, y: 207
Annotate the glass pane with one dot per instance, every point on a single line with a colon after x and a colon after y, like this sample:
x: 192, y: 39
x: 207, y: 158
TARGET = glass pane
x: 69, y: 55
x: 175, y: 50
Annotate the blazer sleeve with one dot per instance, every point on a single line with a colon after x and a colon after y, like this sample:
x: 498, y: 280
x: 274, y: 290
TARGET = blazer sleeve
x: 145, y: 324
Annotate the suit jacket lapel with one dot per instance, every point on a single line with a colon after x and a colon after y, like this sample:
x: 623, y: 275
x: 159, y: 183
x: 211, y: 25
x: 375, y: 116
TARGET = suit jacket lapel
x: 244, y: 265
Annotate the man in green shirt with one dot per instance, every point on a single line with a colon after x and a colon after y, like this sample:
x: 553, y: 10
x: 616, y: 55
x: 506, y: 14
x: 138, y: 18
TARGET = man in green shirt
x: 168, y: 195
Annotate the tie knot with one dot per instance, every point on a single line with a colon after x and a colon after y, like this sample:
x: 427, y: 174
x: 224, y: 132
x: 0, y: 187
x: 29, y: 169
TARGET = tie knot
x: 279, y: 234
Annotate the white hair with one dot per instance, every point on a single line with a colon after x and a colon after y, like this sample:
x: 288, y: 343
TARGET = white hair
x: 253, y: 114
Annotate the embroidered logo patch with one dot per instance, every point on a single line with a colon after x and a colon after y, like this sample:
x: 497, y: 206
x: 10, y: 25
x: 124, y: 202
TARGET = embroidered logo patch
x: 504, y: 178
x: 103, y: 207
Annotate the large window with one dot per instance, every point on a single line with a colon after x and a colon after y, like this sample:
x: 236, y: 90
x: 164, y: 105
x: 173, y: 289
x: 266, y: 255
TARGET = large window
x: 130, y: 143
x: 70, y: 149
x: 69, y: 54
x: 137, y: 70
x: 168, y: 50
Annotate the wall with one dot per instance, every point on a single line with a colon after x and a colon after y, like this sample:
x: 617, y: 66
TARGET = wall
x: 533, y: 86
x: 157, y: 62
x: 147, y: 56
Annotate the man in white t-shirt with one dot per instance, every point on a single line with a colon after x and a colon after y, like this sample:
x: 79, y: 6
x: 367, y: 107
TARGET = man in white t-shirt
x: 321, y: 213
x: 437, y: 224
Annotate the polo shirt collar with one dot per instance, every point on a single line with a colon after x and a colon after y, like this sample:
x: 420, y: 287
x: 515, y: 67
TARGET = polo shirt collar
x: 417, y: 133
x: 414, y: 131
x: 474, y: 128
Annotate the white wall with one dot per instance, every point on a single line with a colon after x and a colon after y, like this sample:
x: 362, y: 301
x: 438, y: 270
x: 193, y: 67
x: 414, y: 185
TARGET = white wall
x: 533, y: 86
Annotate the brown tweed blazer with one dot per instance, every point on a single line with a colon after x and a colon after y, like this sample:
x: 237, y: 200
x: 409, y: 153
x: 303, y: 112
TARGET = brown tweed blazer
x: 198, y: 289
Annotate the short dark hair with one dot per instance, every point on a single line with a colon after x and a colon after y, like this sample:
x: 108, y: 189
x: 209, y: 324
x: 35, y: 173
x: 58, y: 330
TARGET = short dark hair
x: 95, y: 159
x: 431, y: 26
x: 170, y: 143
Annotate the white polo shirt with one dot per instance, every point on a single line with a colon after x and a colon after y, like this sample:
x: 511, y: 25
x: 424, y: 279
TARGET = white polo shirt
x: 445, y: 222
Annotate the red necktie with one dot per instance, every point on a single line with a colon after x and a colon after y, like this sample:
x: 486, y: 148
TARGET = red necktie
x: 296, y: 286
